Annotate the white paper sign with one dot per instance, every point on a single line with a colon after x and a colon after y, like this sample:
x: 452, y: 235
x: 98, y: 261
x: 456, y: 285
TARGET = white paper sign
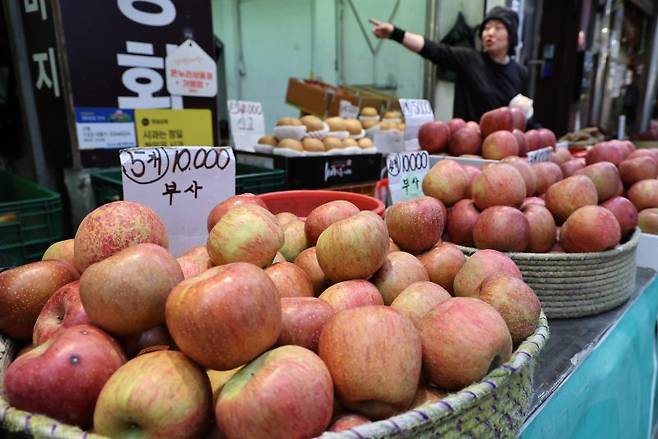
x: 389, y: 141
x: 190, y: 71
x: 406, y: 171
x: 540, y: 155
x: 347, y: 111
x: 247, y: 123
x: 182, y: 184
x: 416, y: 113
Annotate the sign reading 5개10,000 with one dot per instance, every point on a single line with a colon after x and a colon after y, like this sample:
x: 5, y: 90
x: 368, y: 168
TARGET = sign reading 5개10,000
x: 406, y: 171
x: 181, y: 184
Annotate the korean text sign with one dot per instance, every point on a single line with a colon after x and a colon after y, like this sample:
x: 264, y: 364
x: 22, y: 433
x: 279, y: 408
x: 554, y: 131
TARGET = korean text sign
x: 406, y: 171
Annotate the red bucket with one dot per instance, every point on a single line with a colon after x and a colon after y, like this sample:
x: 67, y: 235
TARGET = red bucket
x: 302, y: 202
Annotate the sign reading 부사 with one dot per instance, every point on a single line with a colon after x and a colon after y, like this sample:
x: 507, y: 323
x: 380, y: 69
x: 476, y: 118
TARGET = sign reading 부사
x: 416, y: 113
x: 406, y: 171
x: 247, y: 123
x: 182, y: 185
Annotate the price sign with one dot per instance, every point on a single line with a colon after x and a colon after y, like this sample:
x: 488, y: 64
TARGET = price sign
x: 406, y: 171
x: 190, y: 71
x: 247, y: 123
x: 540, y: 155
x: 182, y: 185
x: 347, y: 111
x: 416, y: 113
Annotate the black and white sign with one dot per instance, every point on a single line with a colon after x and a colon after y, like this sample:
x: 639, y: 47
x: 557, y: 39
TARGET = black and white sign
x: 247, y: 123
x: 416, y: 113
x: 406, y: 171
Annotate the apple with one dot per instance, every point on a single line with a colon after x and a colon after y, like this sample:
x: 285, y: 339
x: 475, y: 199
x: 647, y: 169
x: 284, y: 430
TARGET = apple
x: 478, y: 268
x: 648, y: 221
x: 308, y: 261
x: 193, y: 265
x: 521, y: 142
x: 325, y: 215
x: 113, y: 227
x: 126, y: 292
x: 302, y: 320
x: 226, y: 316
x: 526, y: 171
x: 442, y: 263
x: 62, y: 310
x: 60, y: 251
x: 461, y: 220
x: 199, y: 251
x: 289, y: 387
x: 463, y: 338
x: 155, y: 338
x: 546, y: 174
x: 352, y: 294
x: 294, y: 240
x: 374, y: 356
x: 502, y: 228
x: 400, y: 270
x: 515, y: 301
x: 286, y: 217
x: 392, y: 246
x: 418, y: 299
x: 496, y: 120
x: 446, y: 181
x: 567, y: 195
x: 605, y: 177
x: 62, y: 377
x: 644, y: 194
x: 25, y: 290
x: 518, y: 117
x: 533, y: 140
x: 547, y: 137
x: 625, y: 212
x: 290, y: 280
x: 353, y: 248
x: 158, y: 394
x: 561, y: 156
x: 590, y: 229
x: 471, y: 173
x: 455, y: 125
x: 500, y: 144
x: 498, y: 185
x: 542, y: 228
x: 643, y: 153
x: 347, y: 421
x: 572, y: 166
x: 433, y: 136
x: 637, y: 169
x: 604, y: 152
x: 220, y: 209
x: 416, y: 225
x: 247, y: 233
x: 532, y: 200
x: 467, y: 140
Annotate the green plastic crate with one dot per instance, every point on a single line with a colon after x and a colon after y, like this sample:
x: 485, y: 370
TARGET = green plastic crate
x: 30, y: 220
x: 107, y: 185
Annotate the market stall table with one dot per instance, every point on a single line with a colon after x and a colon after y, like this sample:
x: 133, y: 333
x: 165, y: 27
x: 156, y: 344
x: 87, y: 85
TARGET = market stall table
x: 596, y: 376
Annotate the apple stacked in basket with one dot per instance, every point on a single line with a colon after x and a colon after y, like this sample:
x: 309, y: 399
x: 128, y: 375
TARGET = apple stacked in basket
x: 278, y: 327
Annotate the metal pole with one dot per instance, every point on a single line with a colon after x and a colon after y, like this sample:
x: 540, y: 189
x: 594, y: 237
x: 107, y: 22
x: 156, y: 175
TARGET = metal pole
x: 651, y: 84
x: 429, y: 71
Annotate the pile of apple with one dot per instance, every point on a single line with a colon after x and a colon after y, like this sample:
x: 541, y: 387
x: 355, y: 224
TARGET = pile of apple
x: 565, y: 205
x: 499, y: 134
x: 371, y: 318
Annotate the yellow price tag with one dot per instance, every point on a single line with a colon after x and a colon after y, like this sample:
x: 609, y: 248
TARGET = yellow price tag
x: 174, y: 127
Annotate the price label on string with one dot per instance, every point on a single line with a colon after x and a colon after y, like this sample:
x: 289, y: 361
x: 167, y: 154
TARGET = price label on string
x: 540, y: 155
x: 247, y: 123
x: 346, y: 110
x: 406, y: 171
x: 416, y: 113
x: 181, y: 185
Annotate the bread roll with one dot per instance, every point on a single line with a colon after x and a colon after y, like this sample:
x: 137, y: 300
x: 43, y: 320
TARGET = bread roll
x: 365, y: 142
x: 369, y: 111
x: 331, y: 143
x: 336, y: 124
x: 268, y: 140
x: 291, y: 144
x: 353, y: 126
x: 311, y: 144
x: 313, y: 123
x: 392, y: 115
x: 367, y: 124
x: 288, y: 121
x: 349, y: 142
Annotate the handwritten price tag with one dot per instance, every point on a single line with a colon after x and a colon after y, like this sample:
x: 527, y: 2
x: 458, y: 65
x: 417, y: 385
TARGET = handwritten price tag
x: 346, y: 110
x: 540, y: 155
x: 181, y: 184
x: 247, y: 123
x: 416, y: 113
x: 406, y: 171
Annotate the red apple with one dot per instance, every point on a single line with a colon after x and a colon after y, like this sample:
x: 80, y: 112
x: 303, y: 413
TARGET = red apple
x: 456, y: 124
x: 418, y: 299
x: 247, y: 233
x: 156, y: 338
x: 572, y: 166
x: 220, y: 209
x: 308, y: 261
x: 126, y: 293
x: 446, y: 181
x: 605, y: 177
x: 561, y: 156
x: 496, y: 120
x: 502, y: 228
x: 433, y: 136
x: 62, y: 377
x: 644, y: 194
x: 62, y: 310
x: 25, y: 290
x: 352, y: 294
x: 604, y: 152
x: 347, y: 421
x: 547, y: 137
x: 294, y: 240
x: 480, y: 266
x: 521, y: 142
x: 500, y: 144
x: 158, y: 394
x: 353, y: 248
x: 567, y: 195
x: 193, y: 265
x: 546, y: 174
x: 302, y: 320
x: 518, y: 117
x: 463, y: 338
x: 286, y: 217
x: 113, y: 227
x: 400, y: 270
x: 290, y: 280
x: 515, y: 301
x: 498, y: 185
x: 625, y: 212
x: 366, y: 347
x: 637, y: 169
x: 648, y: 221
x: 471, y: 173
x: 290, y: 389
x: 532, y: 200
x: 416, y: 225
x: 643, y: 153
x: 60, y: 251
x: 472, y: 124
x: 442, y: 263
x: 533, y: 140
x: 226, y: 316
x: 461, y: 220
x: 325, y: 215
x: 526, y: 171
x: 590, y: 229
x: 467, y: 140
x: 542, y: 228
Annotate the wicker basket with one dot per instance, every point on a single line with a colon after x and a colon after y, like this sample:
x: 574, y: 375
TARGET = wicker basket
x: 579, y: 284
x: 495, y: 407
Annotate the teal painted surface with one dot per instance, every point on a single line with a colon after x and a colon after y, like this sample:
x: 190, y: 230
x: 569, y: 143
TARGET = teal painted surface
x: 611, y: 395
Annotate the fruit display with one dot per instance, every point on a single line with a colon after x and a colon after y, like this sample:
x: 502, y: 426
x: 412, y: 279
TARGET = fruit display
x: 499, y: 134
x: 363, y: 318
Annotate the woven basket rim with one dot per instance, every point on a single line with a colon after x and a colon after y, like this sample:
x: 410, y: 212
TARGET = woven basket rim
x: 461, y: 401
x: 549, y: 257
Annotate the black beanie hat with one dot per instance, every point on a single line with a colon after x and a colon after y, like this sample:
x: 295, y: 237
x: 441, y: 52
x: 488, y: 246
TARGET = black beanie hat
x: 511, y: 21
